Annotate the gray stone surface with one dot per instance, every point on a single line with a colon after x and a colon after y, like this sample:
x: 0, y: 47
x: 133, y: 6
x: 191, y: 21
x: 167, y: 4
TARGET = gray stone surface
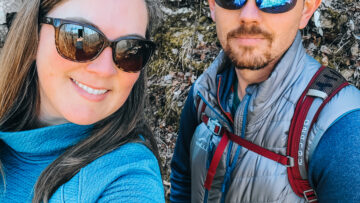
x: 6, y: 7
x: 3, y: 31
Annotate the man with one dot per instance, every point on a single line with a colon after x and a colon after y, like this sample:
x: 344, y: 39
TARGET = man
x: 251, y: 91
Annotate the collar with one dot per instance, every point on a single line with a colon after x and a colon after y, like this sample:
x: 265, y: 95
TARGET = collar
x: 47, y: 140
x: 284, y: 75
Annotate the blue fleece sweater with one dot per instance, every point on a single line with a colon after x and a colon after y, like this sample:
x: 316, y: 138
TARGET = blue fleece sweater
x: 334, y: 166
x: 127, y: 174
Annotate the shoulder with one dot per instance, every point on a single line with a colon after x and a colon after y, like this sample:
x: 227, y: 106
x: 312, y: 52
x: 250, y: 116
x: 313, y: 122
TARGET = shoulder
x: 342, y: 135
x: 129, y: 173
x: 334, y: 165
x: 348, y: 96
x: 130, y: 157
x: 132, y: 151
x: 344, y: 102
x: 133, y: 175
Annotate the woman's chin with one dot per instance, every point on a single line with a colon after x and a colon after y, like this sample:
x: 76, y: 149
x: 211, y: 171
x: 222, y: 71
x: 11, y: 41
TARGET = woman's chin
x: 83, y: 120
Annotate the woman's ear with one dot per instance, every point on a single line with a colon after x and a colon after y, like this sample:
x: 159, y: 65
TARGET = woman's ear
x: 212, y: 9
x: 310, y: 7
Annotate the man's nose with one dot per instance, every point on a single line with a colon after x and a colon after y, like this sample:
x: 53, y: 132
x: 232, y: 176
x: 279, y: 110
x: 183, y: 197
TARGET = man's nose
x: 103, y: 65
x: 250, y: 13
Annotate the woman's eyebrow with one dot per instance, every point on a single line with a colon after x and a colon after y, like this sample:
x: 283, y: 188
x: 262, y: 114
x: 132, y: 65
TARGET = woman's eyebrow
x: 81, y: 20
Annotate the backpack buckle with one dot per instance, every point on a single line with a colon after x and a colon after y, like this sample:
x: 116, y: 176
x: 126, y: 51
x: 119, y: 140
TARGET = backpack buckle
x: 310, y: 195
x: 290, y: 161
x: 214, y: 126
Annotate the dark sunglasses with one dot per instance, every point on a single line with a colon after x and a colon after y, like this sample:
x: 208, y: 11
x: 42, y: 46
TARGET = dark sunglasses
x: 268, y: 6
x: 81, y: 42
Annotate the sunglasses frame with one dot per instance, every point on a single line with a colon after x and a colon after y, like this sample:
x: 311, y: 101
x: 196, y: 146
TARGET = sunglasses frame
x: 272, y: 10
x: 58, y: 22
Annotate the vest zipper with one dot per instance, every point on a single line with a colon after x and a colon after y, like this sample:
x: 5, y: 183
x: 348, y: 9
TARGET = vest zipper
x: 230, y: 168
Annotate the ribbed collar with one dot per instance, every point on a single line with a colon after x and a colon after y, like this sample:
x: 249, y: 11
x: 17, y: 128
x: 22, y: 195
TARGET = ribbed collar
x: 47, y: 140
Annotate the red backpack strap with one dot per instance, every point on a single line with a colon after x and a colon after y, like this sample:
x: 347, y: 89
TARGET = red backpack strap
x: 325, y: 84
x: 226, y: 137
x: 215, y: 161
x: 200, y: 108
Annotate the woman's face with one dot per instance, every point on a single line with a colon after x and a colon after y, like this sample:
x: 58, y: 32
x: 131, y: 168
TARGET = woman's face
x: 67, y: 88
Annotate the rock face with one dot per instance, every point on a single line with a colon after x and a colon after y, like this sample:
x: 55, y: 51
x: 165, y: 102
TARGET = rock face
x: 187, y: 44
x: 8, y: 8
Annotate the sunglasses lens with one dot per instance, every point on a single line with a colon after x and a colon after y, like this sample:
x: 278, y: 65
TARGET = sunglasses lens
x: 275, y: 6
x: 131, y: 55
x: 79, y: 43
x: 268, y: 6
x: 231, y: 4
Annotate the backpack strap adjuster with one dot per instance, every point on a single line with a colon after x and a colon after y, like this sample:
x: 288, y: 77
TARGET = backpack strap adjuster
x: 214, y: 126
x: 310, y: 195
x: 291, y: 162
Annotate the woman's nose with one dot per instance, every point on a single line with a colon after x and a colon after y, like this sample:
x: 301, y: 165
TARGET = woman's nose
x: 103, y: 65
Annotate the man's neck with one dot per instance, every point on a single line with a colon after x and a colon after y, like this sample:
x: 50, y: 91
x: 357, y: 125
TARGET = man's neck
x: 246, y: 77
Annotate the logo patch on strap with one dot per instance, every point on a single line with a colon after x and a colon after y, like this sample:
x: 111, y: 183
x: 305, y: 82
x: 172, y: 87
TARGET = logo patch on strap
x: 328, y: 81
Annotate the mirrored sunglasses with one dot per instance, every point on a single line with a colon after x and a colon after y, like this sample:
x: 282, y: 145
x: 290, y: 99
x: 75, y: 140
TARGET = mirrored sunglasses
x: 268, y: 6
x: 81, y: 42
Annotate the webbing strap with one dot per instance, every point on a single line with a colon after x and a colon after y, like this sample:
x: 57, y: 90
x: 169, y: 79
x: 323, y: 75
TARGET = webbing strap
x: 226, y: 136
x: 215, y: 161
x: 295, y: 180
x: 284, y: 160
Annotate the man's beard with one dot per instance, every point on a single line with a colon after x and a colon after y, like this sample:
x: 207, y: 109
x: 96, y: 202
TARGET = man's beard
x: 245, y: 58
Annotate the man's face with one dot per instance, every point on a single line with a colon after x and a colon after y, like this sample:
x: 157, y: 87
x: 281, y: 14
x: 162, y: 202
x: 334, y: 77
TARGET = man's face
x: 252, y: 38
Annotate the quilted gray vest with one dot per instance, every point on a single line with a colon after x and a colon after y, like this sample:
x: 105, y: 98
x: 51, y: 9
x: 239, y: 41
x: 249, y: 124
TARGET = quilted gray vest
x: 269, y: 109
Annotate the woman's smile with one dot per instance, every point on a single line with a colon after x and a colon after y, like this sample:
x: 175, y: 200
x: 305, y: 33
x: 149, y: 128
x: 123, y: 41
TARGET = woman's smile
x: 89, y: 93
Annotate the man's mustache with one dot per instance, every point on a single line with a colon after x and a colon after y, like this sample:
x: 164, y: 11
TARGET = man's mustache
x: 249, y: 30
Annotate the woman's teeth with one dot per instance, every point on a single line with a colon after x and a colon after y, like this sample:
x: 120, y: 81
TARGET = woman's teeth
x: 89, y: 89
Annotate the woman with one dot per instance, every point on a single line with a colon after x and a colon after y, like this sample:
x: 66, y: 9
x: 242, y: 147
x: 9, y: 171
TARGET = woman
x: 72, y: 100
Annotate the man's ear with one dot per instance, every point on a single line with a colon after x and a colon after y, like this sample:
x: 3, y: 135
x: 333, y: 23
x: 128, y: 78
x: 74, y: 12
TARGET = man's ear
x: 212, y: 9
x: 310, y: 7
